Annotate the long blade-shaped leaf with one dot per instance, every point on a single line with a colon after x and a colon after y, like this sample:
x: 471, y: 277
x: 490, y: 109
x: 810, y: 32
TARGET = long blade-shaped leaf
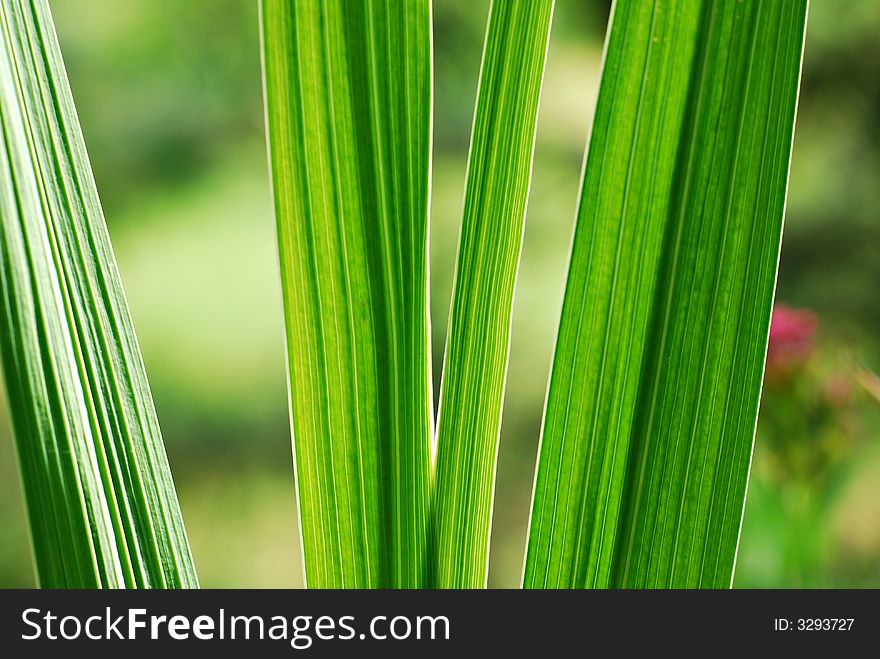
x: 656, y: 380
x: 348, y: 91
x: 475, y: 367
x: 101, y: 503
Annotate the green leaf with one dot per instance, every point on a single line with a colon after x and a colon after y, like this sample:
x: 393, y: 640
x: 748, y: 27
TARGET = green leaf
x: 348, y: 92
x: 478, y: 340
x: 101, y: 503
x: 656, y: 380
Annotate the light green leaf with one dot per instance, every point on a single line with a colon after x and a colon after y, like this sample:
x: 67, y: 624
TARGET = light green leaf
x: 348, y: 91
x: 101, y: 503
x: 475, y: 367
x: 656, y: 380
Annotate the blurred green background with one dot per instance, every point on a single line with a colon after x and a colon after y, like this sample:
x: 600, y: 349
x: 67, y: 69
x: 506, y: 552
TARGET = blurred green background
x: 169, y: 97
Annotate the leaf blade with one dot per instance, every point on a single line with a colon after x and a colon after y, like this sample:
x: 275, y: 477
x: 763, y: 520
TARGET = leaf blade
x: 348, y: 88
x: 478, y: 340
x: 652, y: 404
x: 100, y: 498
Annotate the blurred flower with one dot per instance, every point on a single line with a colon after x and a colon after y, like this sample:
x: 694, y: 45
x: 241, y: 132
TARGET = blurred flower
x: 838, y: 390
x: 791, y: 340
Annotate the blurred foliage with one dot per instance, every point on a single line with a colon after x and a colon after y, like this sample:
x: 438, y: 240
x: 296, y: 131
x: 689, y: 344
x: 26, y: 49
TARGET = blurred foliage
x: 813, y: 511
x: 169, y: 98
x: 163, y: 87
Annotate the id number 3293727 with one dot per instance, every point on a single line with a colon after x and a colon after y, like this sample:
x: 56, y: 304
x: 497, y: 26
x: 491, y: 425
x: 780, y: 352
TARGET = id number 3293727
x: 813, y: 624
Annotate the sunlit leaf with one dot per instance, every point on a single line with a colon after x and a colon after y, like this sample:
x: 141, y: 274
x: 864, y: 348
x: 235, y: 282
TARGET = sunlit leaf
x: 478, y: 341
x: 101, y: 503
x: 656, y: 380
x: 348, y: 87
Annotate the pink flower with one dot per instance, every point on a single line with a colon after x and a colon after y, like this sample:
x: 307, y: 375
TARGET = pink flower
x: 791, y: 339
